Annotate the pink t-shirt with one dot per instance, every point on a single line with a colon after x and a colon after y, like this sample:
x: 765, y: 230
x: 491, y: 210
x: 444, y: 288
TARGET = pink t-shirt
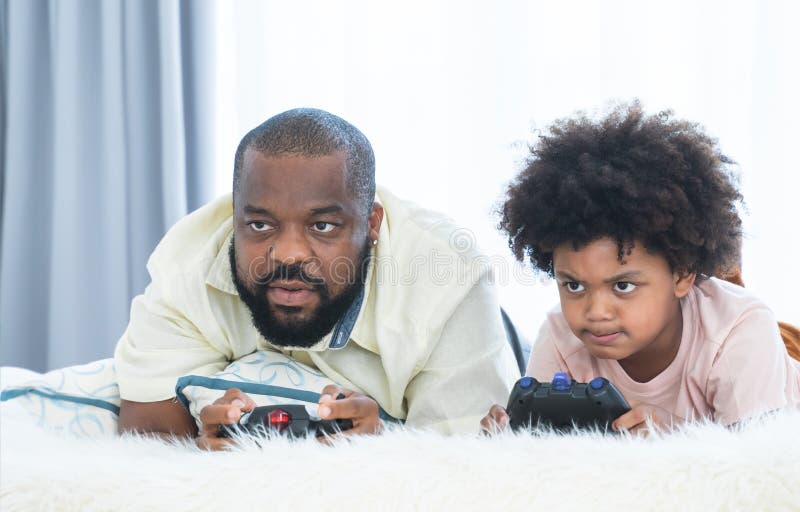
x: 731, y: 364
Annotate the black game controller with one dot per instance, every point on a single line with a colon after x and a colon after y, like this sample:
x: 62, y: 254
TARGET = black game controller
x: 565, y: 404
x: 291, y: 420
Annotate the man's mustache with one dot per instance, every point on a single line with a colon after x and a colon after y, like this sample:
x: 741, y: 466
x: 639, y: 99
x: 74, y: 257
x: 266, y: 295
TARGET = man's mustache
x: 293, y: 272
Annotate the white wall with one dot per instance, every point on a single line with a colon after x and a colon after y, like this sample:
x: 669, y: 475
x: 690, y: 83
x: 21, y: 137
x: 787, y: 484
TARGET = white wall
x: 449, y: 92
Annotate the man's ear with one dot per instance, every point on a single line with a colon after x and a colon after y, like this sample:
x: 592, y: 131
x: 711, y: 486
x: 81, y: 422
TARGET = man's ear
x: 375, y: 220
x: 683, y: 283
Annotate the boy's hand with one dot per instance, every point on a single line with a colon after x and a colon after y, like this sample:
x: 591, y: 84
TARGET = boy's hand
x: 224, y: 411
x: 634, y: 421
x: 360, y: 409
x: 495, y: 421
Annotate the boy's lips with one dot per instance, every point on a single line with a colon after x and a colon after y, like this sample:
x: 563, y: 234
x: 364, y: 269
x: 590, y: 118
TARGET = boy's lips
x: 603, y: 337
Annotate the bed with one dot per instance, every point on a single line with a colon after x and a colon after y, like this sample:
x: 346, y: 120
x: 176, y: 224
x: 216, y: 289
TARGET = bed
x: 702, y: 467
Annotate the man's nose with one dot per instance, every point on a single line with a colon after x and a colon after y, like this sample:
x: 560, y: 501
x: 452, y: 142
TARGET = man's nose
x: 291, y: 246
x: 599, y: 308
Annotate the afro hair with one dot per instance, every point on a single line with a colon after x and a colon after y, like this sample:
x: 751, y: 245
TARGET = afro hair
x: 634, y: 178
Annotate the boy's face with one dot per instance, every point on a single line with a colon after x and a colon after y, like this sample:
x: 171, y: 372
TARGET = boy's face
x: 629, y: 310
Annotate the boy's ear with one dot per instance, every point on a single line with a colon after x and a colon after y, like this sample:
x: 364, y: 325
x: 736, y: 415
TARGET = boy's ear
x: 683, y: 283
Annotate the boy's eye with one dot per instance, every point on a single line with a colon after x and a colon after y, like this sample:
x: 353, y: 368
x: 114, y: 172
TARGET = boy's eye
x: 624, y: 287
x: 259, y: 227
x: 573, y: 286
x: 323, y: 227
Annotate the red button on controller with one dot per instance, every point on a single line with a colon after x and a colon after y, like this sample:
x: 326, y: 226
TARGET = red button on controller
x: 279, y: 419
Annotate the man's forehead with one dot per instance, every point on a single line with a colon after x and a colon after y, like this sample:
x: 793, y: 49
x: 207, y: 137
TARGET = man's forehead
x: 253, y: 154
x: 294, y: 180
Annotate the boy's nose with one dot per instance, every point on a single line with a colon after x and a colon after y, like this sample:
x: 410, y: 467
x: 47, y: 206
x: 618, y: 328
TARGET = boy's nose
x: 598, y: 309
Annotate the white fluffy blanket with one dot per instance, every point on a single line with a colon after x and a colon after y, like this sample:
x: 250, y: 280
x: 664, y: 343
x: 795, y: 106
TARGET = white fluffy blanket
x: 704, y: 467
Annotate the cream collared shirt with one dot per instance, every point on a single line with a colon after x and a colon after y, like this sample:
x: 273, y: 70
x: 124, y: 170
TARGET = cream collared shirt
x: 428, y: 343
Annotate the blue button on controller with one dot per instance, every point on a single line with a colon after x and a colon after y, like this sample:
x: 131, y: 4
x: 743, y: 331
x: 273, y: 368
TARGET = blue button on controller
x: 561, y: 382
x: 596, y: 383
x: 525, y: 382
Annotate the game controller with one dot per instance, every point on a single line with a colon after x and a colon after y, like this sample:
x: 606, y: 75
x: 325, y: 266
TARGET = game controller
x: 564, y: 404
x: 289, y: 420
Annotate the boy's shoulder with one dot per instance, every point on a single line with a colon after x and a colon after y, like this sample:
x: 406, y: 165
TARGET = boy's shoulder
x: 557, y: 329
x: 721, y: 306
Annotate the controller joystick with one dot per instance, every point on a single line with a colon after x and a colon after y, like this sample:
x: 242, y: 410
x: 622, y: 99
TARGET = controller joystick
x: 564, y: 404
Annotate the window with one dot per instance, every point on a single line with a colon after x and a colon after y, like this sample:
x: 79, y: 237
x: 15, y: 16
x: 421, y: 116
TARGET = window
x: 449, y: 93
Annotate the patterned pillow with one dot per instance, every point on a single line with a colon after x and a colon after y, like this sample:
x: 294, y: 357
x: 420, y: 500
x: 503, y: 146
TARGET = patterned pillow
x: 82, y: 399
x: 267, y: 377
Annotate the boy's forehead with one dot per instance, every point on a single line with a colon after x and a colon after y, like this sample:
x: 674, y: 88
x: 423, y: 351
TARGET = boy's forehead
x: 601, y: 259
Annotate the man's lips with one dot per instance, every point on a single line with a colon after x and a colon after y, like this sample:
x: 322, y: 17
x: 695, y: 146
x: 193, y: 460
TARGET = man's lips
x: 292, y: 285
x: 290, y: 293
x: 603, y: 337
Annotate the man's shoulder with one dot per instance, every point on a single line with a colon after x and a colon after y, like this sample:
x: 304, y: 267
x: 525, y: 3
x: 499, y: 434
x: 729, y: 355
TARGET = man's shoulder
x: 194, y: 242
x: 426, y: 266
x: 418, y: 231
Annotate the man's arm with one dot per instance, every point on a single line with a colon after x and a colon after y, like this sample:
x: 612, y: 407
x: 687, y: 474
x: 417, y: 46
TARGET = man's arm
x: 159, y: 346
x: 470, y: 368
x: 167, y: 418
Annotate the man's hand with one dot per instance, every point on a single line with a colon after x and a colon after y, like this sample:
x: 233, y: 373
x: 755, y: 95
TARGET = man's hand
x: 635, y: 420
x: 360, y: 409
x: 224, y: 411
x: 495, y: 421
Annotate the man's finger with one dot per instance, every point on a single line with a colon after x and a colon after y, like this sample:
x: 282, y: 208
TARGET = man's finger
x: 213, y: 443
x: 331, y: 391
x: 222, y: 414
x: 236, y: 397
x: 355, y: 407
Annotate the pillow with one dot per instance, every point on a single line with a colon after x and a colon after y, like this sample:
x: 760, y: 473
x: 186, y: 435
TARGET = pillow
x: 268, y: 377
x: 82, y: 399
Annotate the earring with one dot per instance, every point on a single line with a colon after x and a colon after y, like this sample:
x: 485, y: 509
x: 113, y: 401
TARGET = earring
x: 374, y: 242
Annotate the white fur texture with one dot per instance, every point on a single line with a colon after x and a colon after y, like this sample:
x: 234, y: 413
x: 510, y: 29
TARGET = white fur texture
x: 703, y: 467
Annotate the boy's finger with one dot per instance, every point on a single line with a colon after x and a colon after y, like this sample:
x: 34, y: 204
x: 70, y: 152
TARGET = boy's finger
x: 627, y: 421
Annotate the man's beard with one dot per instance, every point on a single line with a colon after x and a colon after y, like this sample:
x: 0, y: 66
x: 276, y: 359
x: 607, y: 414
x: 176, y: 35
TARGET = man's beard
x: 299, y: 333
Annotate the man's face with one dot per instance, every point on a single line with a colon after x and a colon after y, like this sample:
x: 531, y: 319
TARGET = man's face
x: 301, y: 241
x: 629, y: 310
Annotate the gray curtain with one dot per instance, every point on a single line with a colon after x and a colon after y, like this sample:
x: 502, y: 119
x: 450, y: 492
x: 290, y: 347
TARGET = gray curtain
x: 105, y: 143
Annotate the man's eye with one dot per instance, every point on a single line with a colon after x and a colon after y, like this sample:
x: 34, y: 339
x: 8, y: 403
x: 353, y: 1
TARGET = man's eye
x: 573, y: 286
x: 324, y: 227
x: 624, y: 287
x: 260, y: 227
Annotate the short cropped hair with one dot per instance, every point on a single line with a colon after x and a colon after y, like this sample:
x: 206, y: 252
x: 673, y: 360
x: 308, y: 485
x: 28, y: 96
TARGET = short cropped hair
x: 655, y: 180
x: 314, y: 133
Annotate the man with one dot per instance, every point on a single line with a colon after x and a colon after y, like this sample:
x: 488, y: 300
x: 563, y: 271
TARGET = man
x: 304, y: 251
